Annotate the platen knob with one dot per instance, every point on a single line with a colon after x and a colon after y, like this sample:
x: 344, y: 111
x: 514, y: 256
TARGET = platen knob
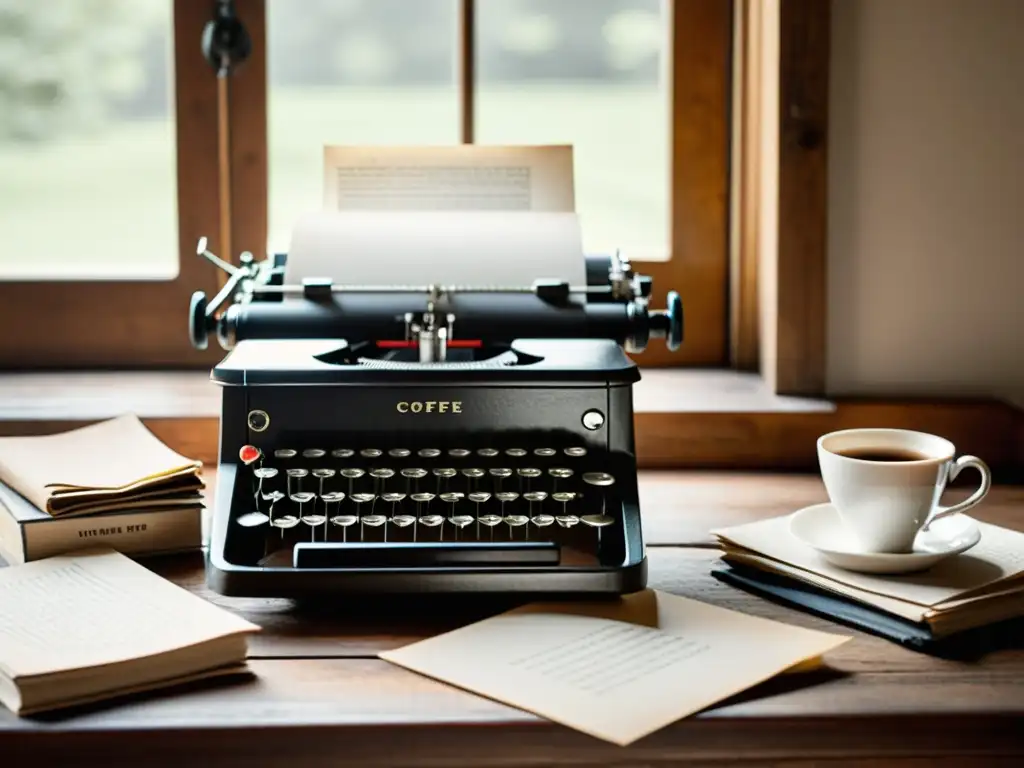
x: 668, y: 323
x: 198, y: 332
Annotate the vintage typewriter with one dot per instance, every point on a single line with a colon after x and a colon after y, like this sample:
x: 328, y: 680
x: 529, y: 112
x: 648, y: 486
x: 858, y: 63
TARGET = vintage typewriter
x: 428, y: 438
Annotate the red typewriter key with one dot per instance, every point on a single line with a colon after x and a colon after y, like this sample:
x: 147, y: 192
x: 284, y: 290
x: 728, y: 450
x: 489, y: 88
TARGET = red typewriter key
x: 249, y: 453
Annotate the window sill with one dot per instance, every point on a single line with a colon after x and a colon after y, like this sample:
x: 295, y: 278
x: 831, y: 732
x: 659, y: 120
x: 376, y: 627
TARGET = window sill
x: 708, y: 419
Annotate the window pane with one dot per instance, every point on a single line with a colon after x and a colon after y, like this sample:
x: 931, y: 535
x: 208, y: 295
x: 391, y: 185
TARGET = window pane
x: 87, y: 140
x: 352, y: 72
x: 588, y: 73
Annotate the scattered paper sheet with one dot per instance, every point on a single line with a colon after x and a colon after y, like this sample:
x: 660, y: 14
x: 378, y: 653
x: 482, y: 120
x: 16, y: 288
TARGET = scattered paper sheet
x: 463, y: 177
x: 998, y: 556
x: 619, y: 670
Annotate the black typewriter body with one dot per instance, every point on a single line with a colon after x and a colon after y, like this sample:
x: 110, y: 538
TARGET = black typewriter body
x: 367, y: 447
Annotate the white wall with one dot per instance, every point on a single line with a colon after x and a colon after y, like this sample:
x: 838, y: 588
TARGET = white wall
x: 926, y: 206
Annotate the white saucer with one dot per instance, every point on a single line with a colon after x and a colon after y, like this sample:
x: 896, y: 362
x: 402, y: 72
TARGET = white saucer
x: 821, y: 528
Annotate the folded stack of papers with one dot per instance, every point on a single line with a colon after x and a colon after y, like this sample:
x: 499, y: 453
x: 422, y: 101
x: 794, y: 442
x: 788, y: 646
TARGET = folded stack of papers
x: 978, y: 588
x: 110, y: 466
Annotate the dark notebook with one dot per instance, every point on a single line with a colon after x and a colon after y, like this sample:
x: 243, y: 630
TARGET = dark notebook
x: 913, y: 635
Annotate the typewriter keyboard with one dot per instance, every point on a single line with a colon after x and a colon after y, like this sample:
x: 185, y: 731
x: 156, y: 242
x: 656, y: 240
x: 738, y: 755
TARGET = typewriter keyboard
x: 433, y: 497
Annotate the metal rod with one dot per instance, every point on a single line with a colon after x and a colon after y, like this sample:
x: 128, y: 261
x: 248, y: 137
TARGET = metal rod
x: 298, y: 290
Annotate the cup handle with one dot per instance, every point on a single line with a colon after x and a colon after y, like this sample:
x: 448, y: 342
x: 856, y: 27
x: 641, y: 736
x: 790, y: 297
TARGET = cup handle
x: 986, y: 482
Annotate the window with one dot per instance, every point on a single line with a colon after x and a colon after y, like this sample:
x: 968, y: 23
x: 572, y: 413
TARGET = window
x: 639, y: 87
x: 106, y: 136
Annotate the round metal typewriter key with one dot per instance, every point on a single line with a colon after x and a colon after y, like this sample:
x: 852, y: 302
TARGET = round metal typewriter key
x: 444, y: 472
x: 560, y: 473
x: 403, y: 521
x: 392, y: 498
x: 542, y: 521
x: 314, y: 453
x: 431, y: 520
x: 382, y: 473
x: 362, y: 498
x: 533, y: 496
x: 344, y: 522
x: 452, y: 498
x: 563, y: 497
x: 273, y: 496
x: 284, y: 522
x: 428, y: 453
x: 297, y: 472
x: 399, y: 453
x: 528, y: 472
x: 285, y: 453
x: 458, y: 453
x: 515, y: 453
x: 352, y: 473
x: 602, y: 479
x: 343, y: 453
x: 544, y: 452
x: 515, y: 521
x: 506, y: 496
x: 487, y: 453
x: 500, y: 472
x: 478, y: 498
x: 460, y: 521
x: 473, y: 473
x: 370, y: 453
x: 253, y: 519
x: 413, y: 473
x: 247, y: 454
x: 491, y: 520
x: 313, y: 521
x: 597, y: 521
x: 421, y: 498
x: 567, y: 521
x: 322, y: 474
x: 576, y: 452
x: 265, y: 473
x: 302, y: 497
x: 374, y: 521
x: 332, y: 496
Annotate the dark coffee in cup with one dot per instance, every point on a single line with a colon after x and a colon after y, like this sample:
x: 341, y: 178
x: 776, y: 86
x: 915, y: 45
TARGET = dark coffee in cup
x: 883, y: 454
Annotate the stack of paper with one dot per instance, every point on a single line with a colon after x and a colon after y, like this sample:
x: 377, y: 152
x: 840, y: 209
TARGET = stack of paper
x: 112, y: 483
x: 82, y: 628
x: 980, y: 587
x: 104, y: 467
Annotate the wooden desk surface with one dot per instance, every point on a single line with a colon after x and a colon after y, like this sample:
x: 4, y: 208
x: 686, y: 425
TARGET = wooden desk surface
x: 319, y: 695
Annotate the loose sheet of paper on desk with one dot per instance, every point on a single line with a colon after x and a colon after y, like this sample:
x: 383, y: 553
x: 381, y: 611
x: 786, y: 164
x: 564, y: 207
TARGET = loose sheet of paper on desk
x: 619, y: 670
x: 447, y: 215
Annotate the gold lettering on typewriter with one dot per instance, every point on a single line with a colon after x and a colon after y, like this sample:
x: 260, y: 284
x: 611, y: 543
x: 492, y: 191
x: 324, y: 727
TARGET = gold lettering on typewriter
x: 429, y: 406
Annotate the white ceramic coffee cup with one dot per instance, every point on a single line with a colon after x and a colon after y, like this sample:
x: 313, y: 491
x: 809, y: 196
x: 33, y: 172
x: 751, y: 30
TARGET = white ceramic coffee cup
x: 884, y: 504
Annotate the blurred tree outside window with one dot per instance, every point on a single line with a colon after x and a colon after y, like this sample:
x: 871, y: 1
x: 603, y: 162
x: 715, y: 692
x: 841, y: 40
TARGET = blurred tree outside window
x: 87, y: 140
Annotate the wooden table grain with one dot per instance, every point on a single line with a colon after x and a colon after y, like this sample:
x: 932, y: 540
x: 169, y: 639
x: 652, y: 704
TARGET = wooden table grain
x: 319, y: 696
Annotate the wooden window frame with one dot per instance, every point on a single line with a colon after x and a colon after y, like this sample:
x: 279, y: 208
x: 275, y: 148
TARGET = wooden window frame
x: 778, y: 220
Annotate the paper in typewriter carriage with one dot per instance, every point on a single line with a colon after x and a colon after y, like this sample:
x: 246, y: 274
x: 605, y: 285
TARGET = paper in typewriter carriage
x: 477, y: 216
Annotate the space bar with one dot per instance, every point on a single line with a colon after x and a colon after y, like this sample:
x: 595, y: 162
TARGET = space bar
x: 430, y: 554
